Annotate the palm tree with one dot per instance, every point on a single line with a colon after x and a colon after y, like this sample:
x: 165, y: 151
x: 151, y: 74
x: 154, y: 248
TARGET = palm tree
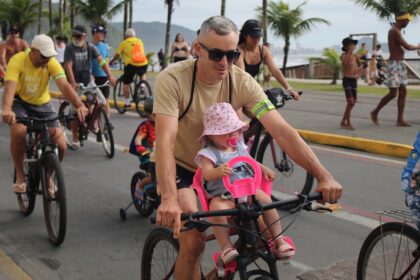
x: 223, y: 8
x: 387, y: 9
x: 50, y: 12
x: 287, y: 23
x: 130, y: 16
x: 170, y: 4
x: 20, y: 12
x: 39, y: 16
x: 98, y: 11
x: 332, y: 59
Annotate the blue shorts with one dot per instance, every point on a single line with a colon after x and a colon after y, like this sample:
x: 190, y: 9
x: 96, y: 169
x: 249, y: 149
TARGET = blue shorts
x: 413, y: 203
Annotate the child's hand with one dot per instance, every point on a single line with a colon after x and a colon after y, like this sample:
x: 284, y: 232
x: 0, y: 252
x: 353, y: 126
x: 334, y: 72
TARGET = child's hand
x: 140, y: 149
x: 223, y: 170
x: 269, y: 175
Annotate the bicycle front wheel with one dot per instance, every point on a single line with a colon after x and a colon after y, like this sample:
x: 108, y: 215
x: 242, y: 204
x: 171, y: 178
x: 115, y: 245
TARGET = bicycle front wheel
x: 54, y: 194
x: 146, y: 206
x: 119, y: 99
x: 159, y: 255
x: 290, y: 177
x: 391, y: 251
x: 27, y: 200
x: 105, y: 133
x: 143, y: 90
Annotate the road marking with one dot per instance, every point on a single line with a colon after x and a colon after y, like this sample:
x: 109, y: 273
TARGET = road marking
x: 9, y: 270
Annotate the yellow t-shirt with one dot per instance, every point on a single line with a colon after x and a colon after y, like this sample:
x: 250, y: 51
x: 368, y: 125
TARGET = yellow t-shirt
x: 125, y: 50
x: 172, y: 94
x: 32, y: 82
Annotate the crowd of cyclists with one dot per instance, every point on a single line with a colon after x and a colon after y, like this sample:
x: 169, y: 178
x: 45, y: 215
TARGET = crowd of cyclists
x: 228, y: 59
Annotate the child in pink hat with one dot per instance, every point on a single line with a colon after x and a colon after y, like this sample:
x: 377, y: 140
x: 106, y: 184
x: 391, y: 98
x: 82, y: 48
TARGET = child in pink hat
x: 223, y: 140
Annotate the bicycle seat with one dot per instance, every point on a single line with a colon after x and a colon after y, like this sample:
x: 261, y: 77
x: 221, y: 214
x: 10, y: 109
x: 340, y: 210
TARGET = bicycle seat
x: 197, y: 183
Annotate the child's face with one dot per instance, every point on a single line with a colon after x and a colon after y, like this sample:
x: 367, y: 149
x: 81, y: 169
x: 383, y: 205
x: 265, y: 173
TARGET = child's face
x: 225, y: 141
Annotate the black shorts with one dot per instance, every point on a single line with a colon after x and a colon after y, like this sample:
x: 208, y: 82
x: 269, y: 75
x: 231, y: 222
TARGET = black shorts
x: 350, y: 88
x: 44, y: 111
x: 184, y: 177
x: 131, y: 70
x: 179, y: 58
x: 100, y: 81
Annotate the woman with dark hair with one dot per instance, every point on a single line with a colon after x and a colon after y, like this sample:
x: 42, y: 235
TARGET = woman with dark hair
x: 180, y: 49
x: 253, y: 55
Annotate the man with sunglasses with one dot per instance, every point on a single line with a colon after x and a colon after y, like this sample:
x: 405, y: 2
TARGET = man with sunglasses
x: 26, y: 93
x: 10, y: 47
x: 78, y: 57
x: 183, y: 91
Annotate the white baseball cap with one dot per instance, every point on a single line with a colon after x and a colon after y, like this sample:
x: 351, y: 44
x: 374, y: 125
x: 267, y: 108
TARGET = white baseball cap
x: 44, y: 44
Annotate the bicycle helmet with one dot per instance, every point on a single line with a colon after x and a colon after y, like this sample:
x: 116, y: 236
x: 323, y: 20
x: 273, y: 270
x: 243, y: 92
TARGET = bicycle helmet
x: 148, y: 104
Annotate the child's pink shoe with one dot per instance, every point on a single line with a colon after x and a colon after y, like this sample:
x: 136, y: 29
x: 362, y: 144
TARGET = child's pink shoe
x: 286, y: 250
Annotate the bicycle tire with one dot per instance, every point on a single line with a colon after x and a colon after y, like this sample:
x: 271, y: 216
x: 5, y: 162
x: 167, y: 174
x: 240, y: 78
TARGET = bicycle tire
x: 289, y: 174
x: 398, y: 234
x: 106, y: 136
x: 146, y: 206
x: 65, y: 110
x: 118, y: 95
x: 27, y: 200
x: 55, y: 209
x: 159, y: 255
x: 141, y: 94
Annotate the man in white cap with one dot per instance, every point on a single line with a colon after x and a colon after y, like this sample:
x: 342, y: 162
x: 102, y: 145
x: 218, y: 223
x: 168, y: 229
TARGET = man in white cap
x: 26, y: 93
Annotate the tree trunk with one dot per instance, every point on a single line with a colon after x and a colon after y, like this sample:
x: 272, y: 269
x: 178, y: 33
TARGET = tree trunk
x: 72, y: 13
x: 50, y: 13
x: 223, y: 8
x: 125, y: 17
x: 264, y: 21
x: 60, y: 16
x: 130, y: 23
x: 168, y: 32
x: 335, y: 77
x: 39, y: 16
x: 286, y: 54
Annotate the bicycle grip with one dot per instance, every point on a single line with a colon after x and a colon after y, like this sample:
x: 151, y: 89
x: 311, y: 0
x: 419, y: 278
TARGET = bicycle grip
x: 184, y: 216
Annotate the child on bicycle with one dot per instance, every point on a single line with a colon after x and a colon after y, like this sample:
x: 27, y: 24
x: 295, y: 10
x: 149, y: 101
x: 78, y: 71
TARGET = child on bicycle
x: 142, y: 145
x: 222, y: 140
x: 410, y: 181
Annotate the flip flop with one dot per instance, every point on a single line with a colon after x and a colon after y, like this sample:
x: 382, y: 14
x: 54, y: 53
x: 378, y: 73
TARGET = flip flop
x: 19, y: 188
x: 52, y: 188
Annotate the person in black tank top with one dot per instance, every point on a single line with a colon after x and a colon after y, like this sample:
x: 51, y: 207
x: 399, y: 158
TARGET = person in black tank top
x: 253, y: 55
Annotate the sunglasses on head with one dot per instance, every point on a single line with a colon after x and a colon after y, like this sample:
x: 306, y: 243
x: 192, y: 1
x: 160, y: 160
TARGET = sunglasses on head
x: 217, y: 55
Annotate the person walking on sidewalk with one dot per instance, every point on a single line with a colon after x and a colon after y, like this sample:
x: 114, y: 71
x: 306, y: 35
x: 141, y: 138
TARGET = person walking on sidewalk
x: 397, y: 70
x: 351, y: 72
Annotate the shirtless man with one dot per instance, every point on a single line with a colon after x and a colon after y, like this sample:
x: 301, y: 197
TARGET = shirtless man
x: 10, y: 47
x: 397, y: 71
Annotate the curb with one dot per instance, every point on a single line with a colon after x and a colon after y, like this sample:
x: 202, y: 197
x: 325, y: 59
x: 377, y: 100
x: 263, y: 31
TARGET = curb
x: 362, y: 144
x: 9, y: 270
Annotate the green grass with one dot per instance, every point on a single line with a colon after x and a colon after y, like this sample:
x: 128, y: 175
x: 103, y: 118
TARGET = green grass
x: 361, y: 89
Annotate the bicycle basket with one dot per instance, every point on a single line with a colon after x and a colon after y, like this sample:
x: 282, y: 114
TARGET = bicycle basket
x: 275, y: 95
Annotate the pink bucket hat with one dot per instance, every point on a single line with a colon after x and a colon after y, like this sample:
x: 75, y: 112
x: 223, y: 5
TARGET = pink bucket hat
x: 220, y: 118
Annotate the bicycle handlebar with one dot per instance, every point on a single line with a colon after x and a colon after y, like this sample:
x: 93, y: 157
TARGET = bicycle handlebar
x: 300, y: 200
x: 28, y: 120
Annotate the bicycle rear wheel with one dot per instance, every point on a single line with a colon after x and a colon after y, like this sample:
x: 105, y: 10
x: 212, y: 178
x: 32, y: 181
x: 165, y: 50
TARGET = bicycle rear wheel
x: 105, y: 133
x: 388, y: 251
x: 159, y: 255
x: 54, y: 194
x: 290, y: 177
x: 66, y: 110
x: 146, y: 206
x: 143, y: 90
x: 119, y: 99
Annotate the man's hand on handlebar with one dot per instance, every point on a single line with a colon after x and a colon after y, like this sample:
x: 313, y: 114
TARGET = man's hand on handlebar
x: 293, y: 93
x: 82, y: 112
x: 9, y: 117
x: 331, y: 190
x: 169, y: 214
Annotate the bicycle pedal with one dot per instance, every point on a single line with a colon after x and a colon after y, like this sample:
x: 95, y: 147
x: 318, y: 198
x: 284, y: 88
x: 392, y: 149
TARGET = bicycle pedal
x: 99, y: 137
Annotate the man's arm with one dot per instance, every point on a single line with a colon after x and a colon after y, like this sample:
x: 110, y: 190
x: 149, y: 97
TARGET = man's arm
x: 402, y: 42
x: 9, y: 91
x: 169, y: 211
x: 3, y: 64
x: 104, y: 65
x: 68, y: 67
x: 71, y: 95
x: 291, y: 142
x: 114, y: 58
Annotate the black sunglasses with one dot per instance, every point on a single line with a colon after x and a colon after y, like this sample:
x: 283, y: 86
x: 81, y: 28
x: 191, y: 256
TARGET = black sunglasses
x: 77, y: 36
x: 217, y: 55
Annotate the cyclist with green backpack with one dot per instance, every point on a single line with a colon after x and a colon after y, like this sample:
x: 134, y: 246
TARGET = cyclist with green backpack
x: 135, y: 60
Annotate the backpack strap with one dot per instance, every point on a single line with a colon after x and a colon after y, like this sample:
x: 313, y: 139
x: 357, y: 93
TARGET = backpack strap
x: 192, y: 91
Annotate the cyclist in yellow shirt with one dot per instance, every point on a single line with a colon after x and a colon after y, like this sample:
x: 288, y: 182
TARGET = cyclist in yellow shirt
x: 26, y: 93
x: 135, y: 60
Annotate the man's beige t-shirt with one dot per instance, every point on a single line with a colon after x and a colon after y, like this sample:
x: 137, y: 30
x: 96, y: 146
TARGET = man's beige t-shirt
x: 173, y: 92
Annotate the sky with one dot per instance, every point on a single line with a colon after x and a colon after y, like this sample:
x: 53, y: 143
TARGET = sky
x: 345, y: 18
